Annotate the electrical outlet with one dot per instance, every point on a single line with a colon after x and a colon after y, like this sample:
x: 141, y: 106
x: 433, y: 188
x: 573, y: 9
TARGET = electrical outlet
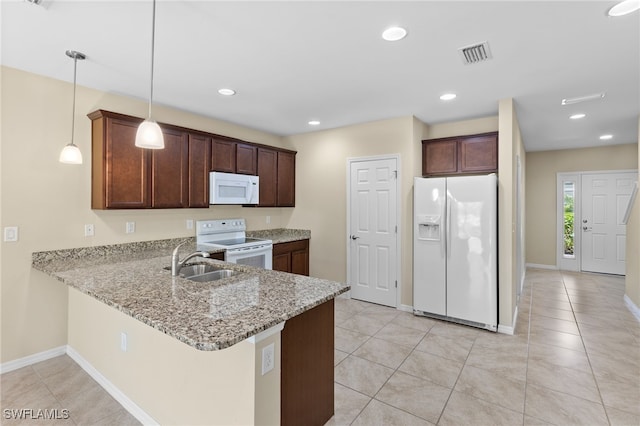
x: 123, y: 341
x: 268, y: 361
x: 88, y: 230
x: 268, y: 219
x: 11, y: 234
x: 189, y: 223
x: 130, y: 228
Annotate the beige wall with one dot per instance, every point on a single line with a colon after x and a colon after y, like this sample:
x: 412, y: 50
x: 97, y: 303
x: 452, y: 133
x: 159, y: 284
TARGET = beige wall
x: 510, y: 147
x: 632, y: 281
x: 542, y: 167
x: 321, y: 196
x: 172, y: 382
x: 50, y: 202
x: 322, y: 208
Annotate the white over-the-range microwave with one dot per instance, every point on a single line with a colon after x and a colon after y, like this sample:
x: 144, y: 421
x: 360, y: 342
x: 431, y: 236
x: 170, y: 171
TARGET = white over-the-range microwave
x: 233, y: 188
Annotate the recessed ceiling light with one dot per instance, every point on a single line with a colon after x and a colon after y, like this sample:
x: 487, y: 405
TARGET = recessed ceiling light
x: 448, y: 96
x: 314, y: 123
x: 606, y: 137
x: 577, y: 116
x: 394, y: 33
x: 227, y: 92
x: 624, y: 8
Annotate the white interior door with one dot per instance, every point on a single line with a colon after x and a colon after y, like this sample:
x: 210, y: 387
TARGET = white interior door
x: 373, y: 234
x: 604, y: 200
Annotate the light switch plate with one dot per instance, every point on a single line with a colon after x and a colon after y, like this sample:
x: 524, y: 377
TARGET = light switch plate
x: 11, y: 234
x: 89, y: 231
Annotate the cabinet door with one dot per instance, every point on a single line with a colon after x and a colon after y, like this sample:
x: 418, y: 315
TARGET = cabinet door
x: 267, y: 171
x: 300, y: 258
x: 126, y: 167
x: 292, y: 257
x: 281, y: 262
x: 286, y: 182
x: 246, y: 159
x: 479, y: 154
x: 223, y: 156
x: 199, y: 167
x: 439, y: 157
x: 170, y: 175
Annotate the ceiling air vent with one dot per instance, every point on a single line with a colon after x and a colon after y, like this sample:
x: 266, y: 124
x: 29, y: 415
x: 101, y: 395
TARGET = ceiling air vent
x: 475, y: 53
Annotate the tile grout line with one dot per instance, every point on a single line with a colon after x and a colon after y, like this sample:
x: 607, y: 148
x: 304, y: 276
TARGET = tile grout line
x: 526, y: 366
x: 593, y: 374
x: 41, y: 380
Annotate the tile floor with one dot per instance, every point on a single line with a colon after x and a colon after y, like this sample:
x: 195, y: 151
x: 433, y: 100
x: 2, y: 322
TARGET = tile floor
x: 574, y: 359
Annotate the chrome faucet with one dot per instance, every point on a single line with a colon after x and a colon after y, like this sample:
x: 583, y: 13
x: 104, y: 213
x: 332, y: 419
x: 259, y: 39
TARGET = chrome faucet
x: 177, y: 264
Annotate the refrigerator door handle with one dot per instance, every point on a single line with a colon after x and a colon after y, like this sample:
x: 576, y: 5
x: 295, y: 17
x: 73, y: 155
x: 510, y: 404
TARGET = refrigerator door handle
x: 448, y: 226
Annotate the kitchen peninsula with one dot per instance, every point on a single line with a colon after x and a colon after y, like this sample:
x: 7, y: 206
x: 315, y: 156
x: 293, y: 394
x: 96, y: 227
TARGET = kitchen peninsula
x: 184, y: 352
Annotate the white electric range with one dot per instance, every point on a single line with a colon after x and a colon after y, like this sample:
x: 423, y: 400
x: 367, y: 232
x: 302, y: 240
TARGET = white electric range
x: 230, y: 235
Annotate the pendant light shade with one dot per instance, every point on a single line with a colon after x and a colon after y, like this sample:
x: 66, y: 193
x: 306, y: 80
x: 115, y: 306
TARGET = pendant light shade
x: 71, y: 153
x: 149, y: 134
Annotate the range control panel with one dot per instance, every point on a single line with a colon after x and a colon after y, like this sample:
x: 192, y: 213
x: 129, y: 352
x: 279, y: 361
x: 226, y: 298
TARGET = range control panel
x: 220, y: 226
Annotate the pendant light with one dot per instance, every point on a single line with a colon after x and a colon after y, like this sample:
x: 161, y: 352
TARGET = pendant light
x: 149, y: 134
x: 71, y: 153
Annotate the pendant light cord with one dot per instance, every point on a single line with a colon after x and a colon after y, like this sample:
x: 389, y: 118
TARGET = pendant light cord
x: 73, y: 108
x: 153, y: 33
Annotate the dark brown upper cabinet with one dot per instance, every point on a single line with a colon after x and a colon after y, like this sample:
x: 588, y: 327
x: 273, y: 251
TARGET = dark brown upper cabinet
x: 170, y: 171
x: 473, y: 154
x: 199, y: 167
x: 223, y: 155
x: 276, y: 169
x: 268, y: 174
x: 120, y: 171
x: 127, y: 177
x: 286, y: 181
x: 231, y: 156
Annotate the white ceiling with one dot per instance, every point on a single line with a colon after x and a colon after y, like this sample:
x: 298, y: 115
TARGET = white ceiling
x: 293, y: 61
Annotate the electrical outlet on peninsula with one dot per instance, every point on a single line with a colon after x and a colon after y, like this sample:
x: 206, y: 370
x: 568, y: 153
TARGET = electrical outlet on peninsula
x: 268, y: 361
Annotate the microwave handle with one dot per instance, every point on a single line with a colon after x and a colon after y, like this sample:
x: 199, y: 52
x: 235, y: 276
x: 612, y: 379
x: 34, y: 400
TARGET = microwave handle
x: 252, y: 191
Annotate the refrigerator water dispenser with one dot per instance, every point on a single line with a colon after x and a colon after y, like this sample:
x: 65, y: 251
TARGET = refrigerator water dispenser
x: 428, y: 227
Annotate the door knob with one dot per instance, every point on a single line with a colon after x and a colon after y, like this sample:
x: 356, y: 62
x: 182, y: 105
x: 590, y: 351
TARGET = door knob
x: 353, y: 237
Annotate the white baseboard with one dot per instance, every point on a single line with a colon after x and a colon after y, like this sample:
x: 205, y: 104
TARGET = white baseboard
x: 505, y: 329
x: 32, y: 359
x: 540, y: 266
x: 116, y: 393
x: 632, y: 307
x: 405, y: 308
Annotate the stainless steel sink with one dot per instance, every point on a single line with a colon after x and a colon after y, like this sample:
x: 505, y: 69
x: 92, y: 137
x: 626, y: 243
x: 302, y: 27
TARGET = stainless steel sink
x: 212, y: 276
x: 191, y: 270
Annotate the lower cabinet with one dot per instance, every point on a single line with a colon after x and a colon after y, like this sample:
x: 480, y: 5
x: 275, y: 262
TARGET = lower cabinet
x: 307, y: 377
x: 291, y: 257
x: 217, y: 256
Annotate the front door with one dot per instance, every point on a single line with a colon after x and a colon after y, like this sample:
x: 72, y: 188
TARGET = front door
x: 604, y: 201
x: 373, y: 238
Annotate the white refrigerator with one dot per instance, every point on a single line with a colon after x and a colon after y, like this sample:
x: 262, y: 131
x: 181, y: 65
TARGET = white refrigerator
x: 455, y: 249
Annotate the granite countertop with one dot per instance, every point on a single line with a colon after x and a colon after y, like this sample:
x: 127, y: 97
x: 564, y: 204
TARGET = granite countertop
x: 207, y: 316
x: 281, y: 235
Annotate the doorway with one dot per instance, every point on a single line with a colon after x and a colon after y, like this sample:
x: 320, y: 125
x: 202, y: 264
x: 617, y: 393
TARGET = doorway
x: 373, y: 229
x: 591, y: 207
